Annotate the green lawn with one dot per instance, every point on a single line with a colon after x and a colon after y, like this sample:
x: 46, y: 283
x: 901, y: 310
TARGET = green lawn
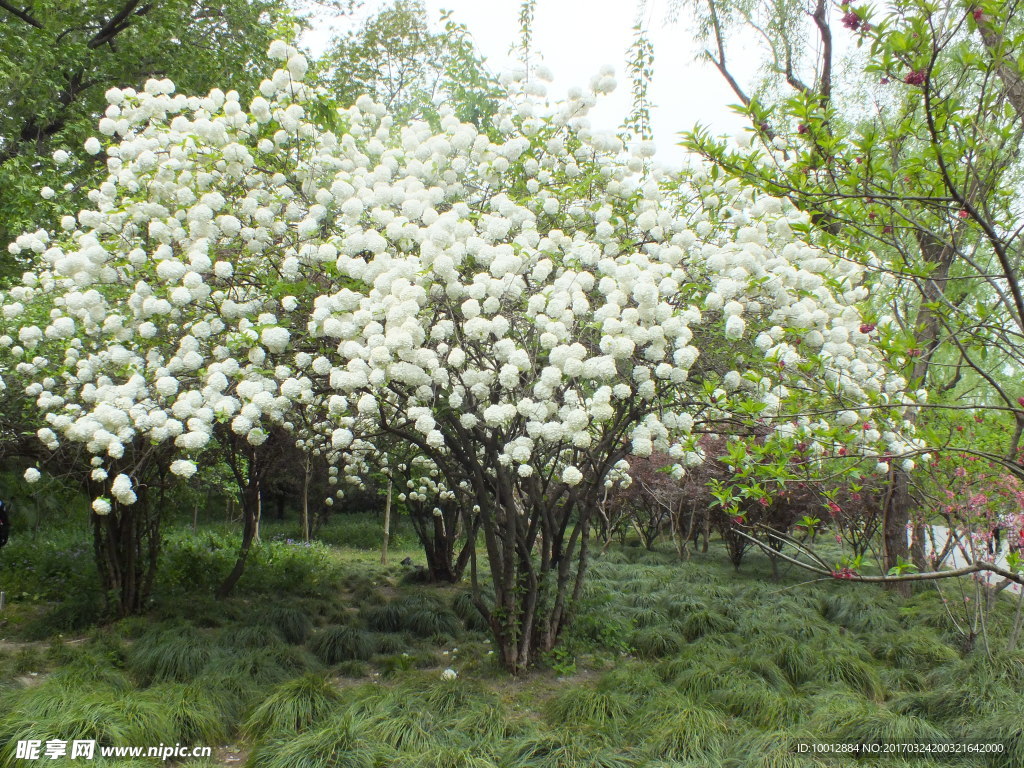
x: 327, y: 659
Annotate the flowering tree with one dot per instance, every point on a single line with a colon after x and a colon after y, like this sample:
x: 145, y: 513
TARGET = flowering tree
x: 525, y: 306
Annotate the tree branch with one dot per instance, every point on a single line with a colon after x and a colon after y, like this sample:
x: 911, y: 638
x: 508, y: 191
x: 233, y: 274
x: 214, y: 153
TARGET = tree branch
x: 117, y: 23
x: 978, y: 566
x: 824, y: 31
x: 25, y: 16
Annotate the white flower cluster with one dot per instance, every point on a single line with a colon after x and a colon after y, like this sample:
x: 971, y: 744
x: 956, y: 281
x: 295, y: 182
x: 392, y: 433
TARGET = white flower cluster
x: 519, y: 299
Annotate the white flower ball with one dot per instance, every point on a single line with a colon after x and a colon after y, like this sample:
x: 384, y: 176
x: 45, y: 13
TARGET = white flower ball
x: 572, y: 476
x: 183, y: 468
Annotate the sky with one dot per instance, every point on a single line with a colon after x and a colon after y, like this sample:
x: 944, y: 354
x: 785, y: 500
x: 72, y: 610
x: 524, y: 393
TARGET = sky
x: 576, y: 38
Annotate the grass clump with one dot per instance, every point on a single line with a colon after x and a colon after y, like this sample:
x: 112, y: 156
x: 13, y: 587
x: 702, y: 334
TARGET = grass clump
x: 291, y: 622
x: 656, y: 642
x: 175, y: 652
x: 913, y: 649
x: 342, y: 643
x: 466, y: 610
x: 680, y: 728
x: 195, y: 711
x: 339, y: 742
x: 562, y: 750
x: 420, y: 616
x: 851, y: 718
x: 293, y: 706
x: 584, y: 706
x: 263, y: 666
x: 110, y: 716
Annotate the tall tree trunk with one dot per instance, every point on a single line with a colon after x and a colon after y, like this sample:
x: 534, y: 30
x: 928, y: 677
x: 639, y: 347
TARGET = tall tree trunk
x: 895, y: 516
x: 250, y: 516
x: 305, y: 500
x: 387, y: 525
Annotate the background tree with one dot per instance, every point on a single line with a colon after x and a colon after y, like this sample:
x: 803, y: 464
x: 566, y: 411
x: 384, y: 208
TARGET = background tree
x: 397, y: 59
x: 904, y: 148
x: 58, y: 58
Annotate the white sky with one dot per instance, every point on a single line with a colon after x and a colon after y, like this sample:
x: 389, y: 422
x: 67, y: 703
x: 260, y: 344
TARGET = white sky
x: 576, y: 38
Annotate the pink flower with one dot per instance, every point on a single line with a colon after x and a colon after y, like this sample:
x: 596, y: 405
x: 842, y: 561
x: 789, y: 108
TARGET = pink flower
x: 851, y: 21
x: 917, y: 77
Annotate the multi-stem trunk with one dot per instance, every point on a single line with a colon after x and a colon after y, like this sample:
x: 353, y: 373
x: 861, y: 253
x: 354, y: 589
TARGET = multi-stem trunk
x: 538, y: 556
x: 126, y: 542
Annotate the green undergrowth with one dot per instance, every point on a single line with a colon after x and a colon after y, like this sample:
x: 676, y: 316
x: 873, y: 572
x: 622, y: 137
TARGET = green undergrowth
x: 669, y: 664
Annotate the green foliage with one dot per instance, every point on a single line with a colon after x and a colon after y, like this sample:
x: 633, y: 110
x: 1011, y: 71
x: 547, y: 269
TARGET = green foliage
x: 562, y: 750
x: 293, y: 707
x: 292, y: 622
x: 195, y: 712
x: 656, y: 642
x: 678, y: 728
x: 108, y: 715
x: 767, y: 671
x: 851, y: 718
x: 336, y: 644
x: 420, y: 615
x: 586, y: 707
x: 396, y: 58
x: 463, y: 607
x: 339, y: 741
x: 169, y: 652
x: 264, y: 666
x: 916, y: 649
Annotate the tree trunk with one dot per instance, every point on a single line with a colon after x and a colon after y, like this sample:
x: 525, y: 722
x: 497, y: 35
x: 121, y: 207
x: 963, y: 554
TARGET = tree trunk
x: 250, y: 515
x: 126, y: 542
x: 895, y: 516
x: 387, y: 526
x: 305, y: 502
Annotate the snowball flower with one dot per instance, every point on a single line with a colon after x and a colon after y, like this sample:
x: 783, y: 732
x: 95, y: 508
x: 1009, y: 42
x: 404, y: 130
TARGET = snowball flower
x: 47, y: 193
x: 122, y: 489
x: 275, y: 339
x: 278, y: 50
x: 572, y: 476
x: 734, y: 327
x: 61, y: 156
x: 92, y: 145
x: 449, y: 674
x: 32, y: 475
x: 101, y: 506
x: 183, y: 468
